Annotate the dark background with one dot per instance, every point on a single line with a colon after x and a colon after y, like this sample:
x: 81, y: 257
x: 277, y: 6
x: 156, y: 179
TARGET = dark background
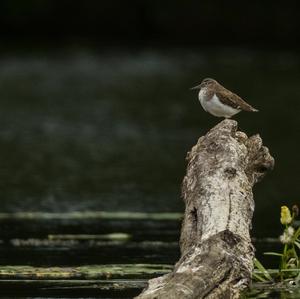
x: 95, y: 111
x: 148, y: 23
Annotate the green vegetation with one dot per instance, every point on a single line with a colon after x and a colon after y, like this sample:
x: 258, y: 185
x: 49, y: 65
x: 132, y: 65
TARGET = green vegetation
x: 289, y: 264
x: 98, y: 215
x: 90, y: 272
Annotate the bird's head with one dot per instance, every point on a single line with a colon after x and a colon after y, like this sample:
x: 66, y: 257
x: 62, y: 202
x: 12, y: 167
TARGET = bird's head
x: 205, y: 83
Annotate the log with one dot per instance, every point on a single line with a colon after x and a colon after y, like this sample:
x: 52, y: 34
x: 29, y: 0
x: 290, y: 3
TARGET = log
x: 216, y: 250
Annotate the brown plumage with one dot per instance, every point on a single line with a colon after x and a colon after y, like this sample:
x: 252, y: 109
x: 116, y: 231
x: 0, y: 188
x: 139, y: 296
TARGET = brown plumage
x: 219, y: 101
x: 231, y: 99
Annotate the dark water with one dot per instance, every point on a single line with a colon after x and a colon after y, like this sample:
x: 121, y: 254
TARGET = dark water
x: 109, y: 130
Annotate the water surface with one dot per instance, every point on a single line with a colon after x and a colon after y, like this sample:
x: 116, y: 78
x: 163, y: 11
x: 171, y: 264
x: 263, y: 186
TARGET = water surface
x: 86, y: 130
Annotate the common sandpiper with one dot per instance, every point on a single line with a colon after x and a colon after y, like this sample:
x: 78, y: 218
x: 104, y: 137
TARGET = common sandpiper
x: 219, y: 101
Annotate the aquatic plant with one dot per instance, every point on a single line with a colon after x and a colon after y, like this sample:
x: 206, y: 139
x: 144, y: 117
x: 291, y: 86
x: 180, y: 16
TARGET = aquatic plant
x: 289, y: 265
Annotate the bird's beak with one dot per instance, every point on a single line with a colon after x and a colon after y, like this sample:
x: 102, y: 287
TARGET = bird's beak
x: 196, y: 87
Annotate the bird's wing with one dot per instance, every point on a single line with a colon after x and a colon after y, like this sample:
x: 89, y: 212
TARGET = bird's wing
x: 229, y: 98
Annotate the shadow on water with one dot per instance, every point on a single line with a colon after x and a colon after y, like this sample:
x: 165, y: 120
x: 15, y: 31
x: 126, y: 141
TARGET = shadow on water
x: 90, y: 131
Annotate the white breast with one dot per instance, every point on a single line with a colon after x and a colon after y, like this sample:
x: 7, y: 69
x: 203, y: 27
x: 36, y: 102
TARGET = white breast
x: 214, y: 106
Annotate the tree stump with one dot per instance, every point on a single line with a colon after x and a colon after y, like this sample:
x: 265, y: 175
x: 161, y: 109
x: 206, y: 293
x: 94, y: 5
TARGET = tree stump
x: 216, y: 250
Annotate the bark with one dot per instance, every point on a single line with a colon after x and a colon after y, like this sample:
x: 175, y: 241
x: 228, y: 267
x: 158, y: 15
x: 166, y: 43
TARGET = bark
x: 216, y: 250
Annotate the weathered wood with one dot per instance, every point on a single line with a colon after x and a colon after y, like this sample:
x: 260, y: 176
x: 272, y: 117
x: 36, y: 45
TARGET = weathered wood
x: 216, y: 250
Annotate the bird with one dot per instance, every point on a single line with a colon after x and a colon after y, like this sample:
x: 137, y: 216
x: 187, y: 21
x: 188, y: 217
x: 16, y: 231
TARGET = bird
x: 219, y: 101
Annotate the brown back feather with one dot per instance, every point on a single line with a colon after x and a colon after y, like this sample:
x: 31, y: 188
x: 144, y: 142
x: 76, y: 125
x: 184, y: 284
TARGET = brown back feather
x: 229, y: 98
